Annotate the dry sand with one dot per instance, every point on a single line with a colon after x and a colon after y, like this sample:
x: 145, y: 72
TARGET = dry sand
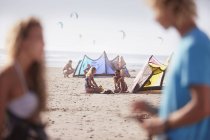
x: 74, y: 115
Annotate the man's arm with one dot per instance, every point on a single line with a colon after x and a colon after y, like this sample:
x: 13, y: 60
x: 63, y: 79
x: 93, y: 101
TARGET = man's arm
x: 115, y: 82
x: 197, y: 109
x: 143, y: 106
x: 70, y: 66
x: 118, y: 80
x: 64, y: 68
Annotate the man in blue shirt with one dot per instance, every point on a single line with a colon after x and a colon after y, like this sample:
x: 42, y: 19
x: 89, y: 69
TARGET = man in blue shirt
x: 185, y: 105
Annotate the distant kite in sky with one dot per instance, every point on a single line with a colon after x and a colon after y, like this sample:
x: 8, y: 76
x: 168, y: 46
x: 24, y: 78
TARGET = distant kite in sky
x: 80, y: 36
x: 60, y: 24
x: 94, y: 42
x: 74, y: 15
x: 161, y: 39
x: 123, y: 34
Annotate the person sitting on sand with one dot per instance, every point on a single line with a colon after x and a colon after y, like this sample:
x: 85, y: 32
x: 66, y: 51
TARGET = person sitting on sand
x: 87, y: 69
x: 119, y: 82
x: 67, y: 70
x: 90, y: 84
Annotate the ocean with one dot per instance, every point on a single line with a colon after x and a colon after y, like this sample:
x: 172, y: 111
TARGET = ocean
x: 60, y: 58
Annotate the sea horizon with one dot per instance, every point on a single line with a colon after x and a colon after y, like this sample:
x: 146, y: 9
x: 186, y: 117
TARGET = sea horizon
x: 55, y: 58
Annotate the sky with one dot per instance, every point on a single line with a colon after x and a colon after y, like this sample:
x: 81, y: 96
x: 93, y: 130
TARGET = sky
x: 116, y: 26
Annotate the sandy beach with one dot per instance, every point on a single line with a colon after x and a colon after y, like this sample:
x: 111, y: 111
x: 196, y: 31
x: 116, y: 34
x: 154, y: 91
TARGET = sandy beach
x: 74, y: 115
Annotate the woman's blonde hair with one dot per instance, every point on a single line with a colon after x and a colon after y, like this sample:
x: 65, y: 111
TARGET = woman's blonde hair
x: 36, y: 81
x: 182, y: 9
x: 90, y: 72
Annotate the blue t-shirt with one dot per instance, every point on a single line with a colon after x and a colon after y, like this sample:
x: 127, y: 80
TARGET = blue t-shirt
x: 190, y: 66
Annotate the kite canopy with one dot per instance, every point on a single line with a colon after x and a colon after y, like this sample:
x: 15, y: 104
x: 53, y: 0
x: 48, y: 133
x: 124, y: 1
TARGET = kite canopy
x: 151, y: 77
x: 74, y: 15
x: 123, y: 34
x: 60, y: 24
x: 104, y: 67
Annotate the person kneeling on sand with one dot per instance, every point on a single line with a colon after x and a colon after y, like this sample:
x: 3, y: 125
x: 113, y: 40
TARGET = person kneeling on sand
x: 119, y: 82
x: 67, y: 70
x: 90, y: 84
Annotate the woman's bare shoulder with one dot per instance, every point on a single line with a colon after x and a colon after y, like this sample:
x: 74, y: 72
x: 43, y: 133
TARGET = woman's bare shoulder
x: 7, y: 72
x: 7, y: 75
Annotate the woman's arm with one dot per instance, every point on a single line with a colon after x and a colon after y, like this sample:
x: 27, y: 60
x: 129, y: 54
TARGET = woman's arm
x: 94, y: 83
x: 3, y: 100
x: 89, y: 81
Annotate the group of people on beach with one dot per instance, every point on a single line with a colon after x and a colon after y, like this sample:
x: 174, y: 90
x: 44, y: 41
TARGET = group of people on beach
x: 120, y: 85
x: 184, y: 112
x: 91, y: 86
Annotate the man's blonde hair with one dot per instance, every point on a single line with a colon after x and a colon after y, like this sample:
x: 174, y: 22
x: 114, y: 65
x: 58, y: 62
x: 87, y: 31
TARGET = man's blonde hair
x: 182, y: 9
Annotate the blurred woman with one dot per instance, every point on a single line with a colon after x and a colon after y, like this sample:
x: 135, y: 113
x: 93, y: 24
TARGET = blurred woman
x: 185, y: 107
x: 22, y: 84
x: 90, y: 84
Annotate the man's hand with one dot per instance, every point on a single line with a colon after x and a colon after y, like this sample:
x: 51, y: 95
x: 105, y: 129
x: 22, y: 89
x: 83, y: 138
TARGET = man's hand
x: 154, y: 126
x: 142, y: 106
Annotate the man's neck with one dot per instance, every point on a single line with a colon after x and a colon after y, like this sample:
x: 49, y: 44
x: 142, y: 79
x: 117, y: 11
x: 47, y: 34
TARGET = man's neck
x: 186, y: 27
